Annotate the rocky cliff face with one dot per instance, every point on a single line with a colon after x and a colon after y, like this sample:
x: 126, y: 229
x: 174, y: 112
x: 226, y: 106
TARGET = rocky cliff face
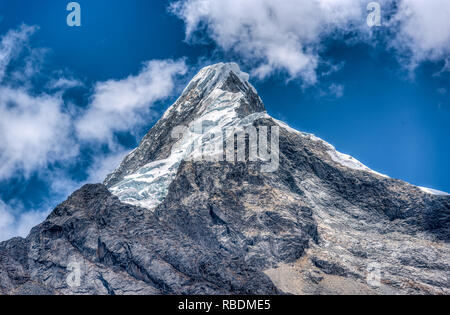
x: 171, y: 221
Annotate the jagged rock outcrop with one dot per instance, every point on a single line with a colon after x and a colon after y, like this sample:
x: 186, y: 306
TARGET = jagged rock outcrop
x: 164, y: 223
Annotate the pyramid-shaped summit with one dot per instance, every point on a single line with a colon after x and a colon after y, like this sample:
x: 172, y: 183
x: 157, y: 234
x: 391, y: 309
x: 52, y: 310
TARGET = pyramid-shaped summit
x: 218, y: 98
x: 174, y: 220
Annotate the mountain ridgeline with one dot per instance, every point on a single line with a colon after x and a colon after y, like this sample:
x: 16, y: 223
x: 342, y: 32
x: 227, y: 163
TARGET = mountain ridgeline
x: 171, y: 221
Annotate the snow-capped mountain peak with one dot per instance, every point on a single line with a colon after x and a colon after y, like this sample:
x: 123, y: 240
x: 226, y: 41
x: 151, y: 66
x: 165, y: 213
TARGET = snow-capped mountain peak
x: 217, y: 99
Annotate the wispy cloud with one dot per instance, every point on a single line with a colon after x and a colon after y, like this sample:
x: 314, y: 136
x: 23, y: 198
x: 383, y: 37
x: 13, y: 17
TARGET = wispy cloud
x: 336, y: 90
x: 423, y: 30
x: 120, y: 105
x: 63, y: 83
x: 12, y: 44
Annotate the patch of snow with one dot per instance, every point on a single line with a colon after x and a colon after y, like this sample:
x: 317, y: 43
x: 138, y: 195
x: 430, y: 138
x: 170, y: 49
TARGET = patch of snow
x: 351, y: 162
x: 433, y: 191
x: 285, y: 126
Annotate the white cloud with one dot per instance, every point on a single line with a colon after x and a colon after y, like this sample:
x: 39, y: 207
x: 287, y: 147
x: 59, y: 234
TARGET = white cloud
x: 423, y: 30
x: 288, y: 35
x: 271, y: 35
x: 63, y: 83
x: 120, y: 105
x: 336, y: 90
x: 12, y: 44
x: 34, y: 131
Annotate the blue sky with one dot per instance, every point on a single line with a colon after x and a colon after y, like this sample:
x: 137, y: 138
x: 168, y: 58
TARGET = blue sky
x: 69, y: 110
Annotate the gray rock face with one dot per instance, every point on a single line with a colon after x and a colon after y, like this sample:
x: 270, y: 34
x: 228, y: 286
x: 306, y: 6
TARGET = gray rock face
x: 314, y: 226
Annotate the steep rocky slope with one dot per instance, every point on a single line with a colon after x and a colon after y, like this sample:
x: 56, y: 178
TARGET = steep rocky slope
x: 170, y: 222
